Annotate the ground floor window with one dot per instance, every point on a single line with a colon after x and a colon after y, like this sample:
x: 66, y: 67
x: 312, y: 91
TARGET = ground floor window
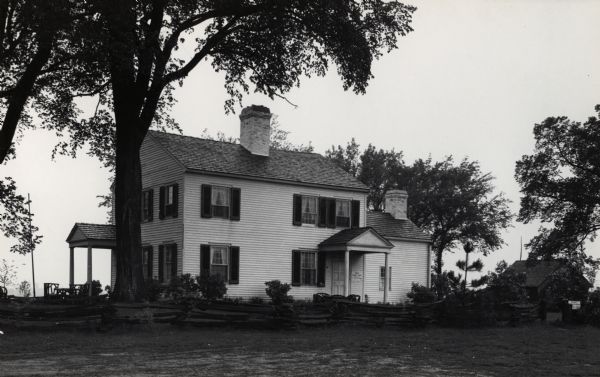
x: 147, y: 262
x: 220, y: 260
x: 382, y: 278
x: 304, y: 267
x: 170, y: 262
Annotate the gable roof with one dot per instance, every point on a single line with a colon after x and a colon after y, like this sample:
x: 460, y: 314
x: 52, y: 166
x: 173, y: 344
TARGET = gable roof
x: 389, y: 227
x: 346, y: 236
x: 535, y: 274
x: 93, y: 231
x: 222, y: 158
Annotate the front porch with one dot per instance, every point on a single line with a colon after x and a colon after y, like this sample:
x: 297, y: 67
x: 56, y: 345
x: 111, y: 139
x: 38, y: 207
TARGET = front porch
x: 347, y: 246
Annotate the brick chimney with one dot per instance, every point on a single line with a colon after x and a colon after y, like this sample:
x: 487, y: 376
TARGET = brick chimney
x: 255, y: 129
x: 396, y: 203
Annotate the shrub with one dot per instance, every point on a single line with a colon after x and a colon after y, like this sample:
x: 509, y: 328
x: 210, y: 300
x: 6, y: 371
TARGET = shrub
x: 96, y: 288
x: 591, y: 308
x: 256, y: 300
x: 153, y: 290
x: 183, y: 286
x: 212, y: 287
x: 420, y: 294
x: 277, y: 291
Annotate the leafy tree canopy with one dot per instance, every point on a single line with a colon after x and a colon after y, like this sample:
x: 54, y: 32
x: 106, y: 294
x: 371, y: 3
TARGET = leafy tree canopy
x: 15, y: 219
x: 560, y: 186
x: 456, y: 203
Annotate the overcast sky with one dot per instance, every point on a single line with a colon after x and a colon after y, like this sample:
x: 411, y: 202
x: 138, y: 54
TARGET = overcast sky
x: 470, y: 81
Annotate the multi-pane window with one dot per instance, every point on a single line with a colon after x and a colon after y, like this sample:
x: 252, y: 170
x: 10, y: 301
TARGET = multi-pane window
x: 169, y: 260
x: 342, y: 213
x: 147, y: 262
x: 309, y: 210
x: 170, y: 200
x: 308, y: 268
x: 147, y: 205
x: 382, y: 278
x: 219, y: 261
x: 220, y: 202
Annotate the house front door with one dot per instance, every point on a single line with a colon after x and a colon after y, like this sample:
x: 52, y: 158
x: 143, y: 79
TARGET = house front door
x: 338, y: 277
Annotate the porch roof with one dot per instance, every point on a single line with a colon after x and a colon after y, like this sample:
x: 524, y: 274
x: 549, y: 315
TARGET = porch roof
x: 365, y: 239
x: 100, y: 236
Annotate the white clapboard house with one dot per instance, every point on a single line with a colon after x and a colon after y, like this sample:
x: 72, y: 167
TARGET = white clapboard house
x: 254, y: 214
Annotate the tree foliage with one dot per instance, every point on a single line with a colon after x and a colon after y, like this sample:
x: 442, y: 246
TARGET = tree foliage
x: 456, y: 203
x: 15, y: 219
x: 8, y: 273
x: 560, y: 186
x: 376, y: 168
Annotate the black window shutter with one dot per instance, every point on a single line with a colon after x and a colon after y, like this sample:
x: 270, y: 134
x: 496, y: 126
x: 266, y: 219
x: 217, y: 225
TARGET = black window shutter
x: 175, y: 211
x: 355, y: 214
x: 150, y: 263
x: 296, y: 255
x: 297, y: 210
x: 161, y: 203
x: 205, y: 201
x: 234, y: 265
x: 236, y: 202
x: 322, y: 212
x: 330, y: 213
x: 321, y: 265
x: 173, y: 260
x: 204, y: 260
x: 161, y: 262
x: 150, y: 205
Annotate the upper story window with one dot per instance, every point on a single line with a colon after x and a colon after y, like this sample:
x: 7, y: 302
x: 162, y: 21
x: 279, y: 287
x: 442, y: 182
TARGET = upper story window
x: 326, y: 212
x: 147, y: 204
x: 309, y: 210
x: 220, y: 260
x: 219, y: 201
x: 342, y: 213
x: 169, y: 201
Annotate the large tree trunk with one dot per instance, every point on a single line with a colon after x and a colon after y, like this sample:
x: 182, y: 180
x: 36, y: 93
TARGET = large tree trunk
x: 438, y: 262
x: 129, y: 285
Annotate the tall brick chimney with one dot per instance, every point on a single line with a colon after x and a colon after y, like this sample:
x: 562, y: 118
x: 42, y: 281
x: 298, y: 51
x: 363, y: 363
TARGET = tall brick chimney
x: 396, y: 203
x: 255, y: 129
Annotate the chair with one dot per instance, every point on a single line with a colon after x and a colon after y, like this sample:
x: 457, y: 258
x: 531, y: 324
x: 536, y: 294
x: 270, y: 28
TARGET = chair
x: 50, y: 289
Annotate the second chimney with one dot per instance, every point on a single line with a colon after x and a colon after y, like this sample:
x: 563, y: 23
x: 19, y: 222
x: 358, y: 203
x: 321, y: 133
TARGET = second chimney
x: 396, y: 203
x: 255, y: 129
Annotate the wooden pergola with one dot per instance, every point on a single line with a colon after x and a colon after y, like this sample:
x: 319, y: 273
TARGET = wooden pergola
x: 358, y: 241
x: 90, y: 236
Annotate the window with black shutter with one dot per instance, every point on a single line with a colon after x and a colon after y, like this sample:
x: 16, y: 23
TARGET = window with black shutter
x: 161, y: 264
x: 147, y: 262
x: 297, y: 210
x: 331, y: 214
x: 168, y: 262
x: 220, y: 260
x: 222, y: 202
x: 322, y: 212
x: 304, y: 268
x: 321, y: 268
x: 147, y: 205
x: 168, y: 200
x: 355, y: 213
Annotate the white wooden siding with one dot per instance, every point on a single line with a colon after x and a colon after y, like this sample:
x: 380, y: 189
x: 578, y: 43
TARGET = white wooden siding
x: 265, y: 233
x: 161, y: 169
x: 409, y: 262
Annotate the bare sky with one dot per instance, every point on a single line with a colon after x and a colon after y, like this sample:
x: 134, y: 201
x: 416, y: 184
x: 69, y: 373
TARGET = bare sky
x: 471, y: 80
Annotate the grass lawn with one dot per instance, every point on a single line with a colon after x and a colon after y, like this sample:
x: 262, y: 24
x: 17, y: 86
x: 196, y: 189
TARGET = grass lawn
x: 537, y: 350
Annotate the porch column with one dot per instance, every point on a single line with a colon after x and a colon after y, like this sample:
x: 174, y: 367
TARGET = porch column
x: 386, y: 280
x: 71, y: 266
x: 347, y: 273
x: 89, y: 270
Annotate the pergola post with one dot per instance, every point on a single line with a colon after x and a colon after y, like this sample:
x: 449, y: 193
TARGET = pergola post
x: 89, y: 270
x: 385, y: 280
x: 347, y: 273
x: 71, y: 266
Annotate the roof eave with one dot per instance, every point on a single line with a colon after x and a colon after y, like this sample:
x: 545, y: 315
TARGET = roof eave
x: 274, y: 180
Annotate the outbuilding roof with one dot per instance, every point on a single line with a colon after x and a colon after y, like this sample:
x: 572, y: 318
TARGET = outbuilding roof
x: 223, y: 158
x: 94, y: 231
x: 390, y: 227
x: 536, y: 273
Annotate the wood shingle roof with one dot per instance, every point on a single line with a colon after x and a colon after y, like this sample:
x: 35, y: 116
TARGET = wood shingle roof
x: 223, y: 158
x: 389, y: 227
